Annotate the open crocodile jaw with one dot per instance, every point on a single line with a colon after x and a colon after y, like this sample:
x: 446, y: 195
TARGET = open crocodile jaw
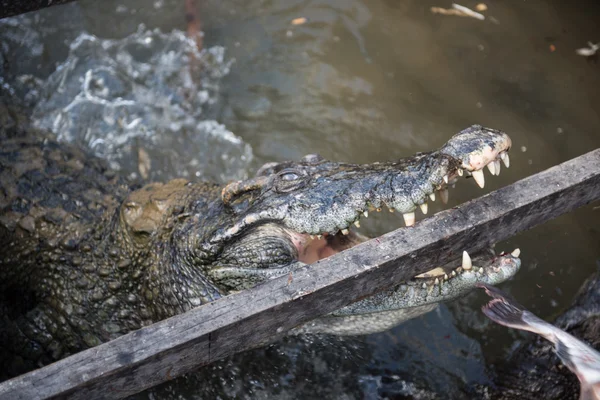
x: 312, y: 248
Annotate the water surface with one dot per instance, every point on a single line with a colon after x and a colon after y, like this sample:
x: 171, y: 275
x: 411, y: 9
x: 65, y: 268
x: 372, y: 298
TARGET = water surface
x: 360, y: 81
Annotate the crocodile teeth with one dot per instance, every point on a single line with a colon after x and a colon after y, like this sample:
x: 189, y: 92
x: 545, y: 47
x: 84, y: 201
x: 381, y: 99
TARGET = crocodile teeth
x: 466, y: 261
x: 479, y: 178
x: 366, y: 214
x: 432, y: 196
x: 312, y: 237
x: 446, y: 178
x: 423, y: 208
x: 357, y: 224
x: 497, y: 166
x: 436, y: 282
x: 516, y: 253
x: 505, y: 159
x: 319, y: 237
x: 424, y: 286
x: 444, y: 196
x: 492, y: 167
x: 445, y: 277
x: 345, y: 231
x: 409, y: 218
x: 453, y: 273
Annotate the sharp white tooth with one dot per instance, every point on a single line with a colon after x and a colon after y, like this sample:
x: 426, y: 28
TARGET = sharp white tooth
x: 481, y: 270
x: 445, y: 277
x: 453, y: 273
x: 312, y: 237
x: 492, y: 167
x: 516, y: 253
x: 357, y: 224
x: 497, y: 166
x: 366, y: 214
x: 444, y: 196
x: 466, y: 261
x: 446, y: 178
x: 479, y: 178
x: 345, y: 231
x: 424, y: 286
x: 505, y: 159
x: 436, y: 282
x: 460, y: 172
x: 409, y: 218
x: 423, y: 208
x: 432, y: 196
x: 319, y: 237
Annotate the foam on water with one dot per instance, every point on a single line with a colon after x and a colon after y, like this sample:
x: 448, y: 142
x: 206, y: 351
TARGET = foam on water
x: 146, y: 94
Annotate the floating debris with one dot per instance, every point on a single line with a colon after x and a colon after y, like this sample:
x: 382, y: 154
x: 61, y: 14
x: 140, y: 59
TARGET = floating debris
x: 588, y: 51
x: 446, y: 11
x: 458, y: 10
x: 468, y: 12
x: 299, y: 21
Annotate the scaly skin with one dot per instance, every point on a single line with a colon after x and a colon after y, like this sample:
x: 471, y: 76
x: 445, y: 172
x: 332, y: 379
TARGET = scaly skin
x: 86, y: 257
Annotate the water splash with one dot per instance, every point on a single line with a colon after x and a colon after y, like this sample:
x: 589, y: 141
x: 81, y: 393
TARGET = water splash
x: 143, y: 99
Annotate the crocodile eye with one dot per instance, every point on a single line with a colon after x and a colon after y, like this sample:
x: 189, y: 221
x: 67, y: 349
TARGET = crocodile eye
x: 289, y: 179
x: 289, y: 176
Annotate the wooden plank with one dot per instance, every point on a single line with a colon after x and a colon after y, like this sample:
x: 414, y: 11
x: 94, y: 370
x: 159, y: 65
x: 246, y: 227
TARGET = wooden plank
x: 170, y: 348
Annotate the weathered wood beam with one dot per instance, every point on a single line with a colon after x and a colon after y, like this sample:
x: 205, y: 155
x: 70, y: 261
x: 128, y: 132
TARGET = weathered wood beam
x: 14, y: 7
x: 170, y: 348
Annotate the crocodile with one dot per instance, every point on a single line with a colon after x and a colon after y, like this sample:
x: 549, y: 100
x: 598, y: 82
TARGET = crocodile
x: 88, y: 256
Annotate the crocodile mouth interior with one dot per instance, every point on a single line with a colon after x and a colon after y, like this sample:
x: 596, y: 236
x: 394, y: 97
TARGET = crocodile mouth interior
x: 312, y: 248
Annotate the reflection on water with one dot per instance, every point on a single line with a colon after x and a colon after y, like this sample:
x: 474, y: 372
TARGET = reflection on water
x: 362, y: 81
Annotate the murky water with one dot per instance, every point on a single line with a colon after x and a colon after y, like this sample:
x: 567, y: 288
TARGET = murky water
x: 360, y: 81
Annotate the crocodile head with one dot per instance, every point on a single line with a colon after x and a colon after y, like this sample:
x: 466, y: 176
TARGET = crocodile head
x: 303, y: 211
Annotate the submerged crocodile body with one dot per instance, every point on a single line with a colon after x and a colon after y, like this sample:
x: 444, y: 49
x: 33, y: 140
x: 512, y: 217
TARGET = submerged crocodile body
x: 86, y: 257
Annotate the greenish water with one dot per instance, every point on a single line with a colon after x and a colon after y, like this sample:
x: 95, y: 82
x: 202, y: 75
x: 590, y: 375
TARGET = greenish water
x: 362, y: 81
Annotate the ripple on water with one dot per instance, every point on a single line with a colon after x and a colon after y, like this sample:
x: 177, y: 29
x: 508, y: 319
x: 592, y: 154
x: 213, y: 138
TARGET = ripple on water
x: 144, y: 97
